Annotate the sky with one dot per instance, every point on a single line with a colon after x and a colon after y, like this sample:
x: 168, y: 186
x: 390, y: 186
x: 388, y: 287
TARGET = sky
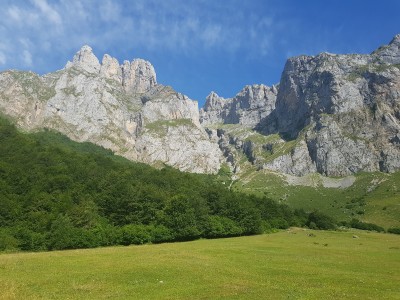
x: 196, y: 46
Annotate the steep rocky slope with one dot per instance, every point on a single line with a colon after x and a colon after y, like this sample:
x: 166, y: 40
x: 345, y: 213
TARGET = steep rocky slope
x: 248, y: 107
x: 120, y: 107
x: 334, y: 114
x: 331, y: 114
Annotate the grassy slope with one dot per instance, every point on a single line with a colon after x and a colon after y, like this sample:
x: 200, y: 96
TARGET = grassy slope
x: 375, y: 197
x: 380, y: 193
x: 331, y: 265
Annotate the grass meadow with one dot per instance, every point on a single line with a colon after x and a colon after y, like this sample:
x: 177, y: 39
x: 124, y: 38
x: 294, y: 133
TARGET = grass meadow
x: 373, y: 198
x: 293, y: 264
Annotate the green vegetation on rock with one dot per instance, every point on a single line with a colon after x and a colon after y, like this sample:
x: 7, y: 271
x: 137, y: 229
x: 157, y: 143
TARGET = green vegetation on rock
x: 161, y: 127
x: 32, y: 84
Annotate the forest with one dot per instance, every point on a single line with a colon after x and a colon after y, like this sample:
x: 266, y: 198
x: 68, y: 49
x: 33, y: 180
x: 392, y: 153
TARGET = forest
x: 59, y: 194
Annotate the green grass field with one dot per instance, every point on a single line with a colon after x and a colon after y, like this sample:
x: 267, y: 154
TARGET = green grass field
x: 284, y: 265
x: 374, y: 197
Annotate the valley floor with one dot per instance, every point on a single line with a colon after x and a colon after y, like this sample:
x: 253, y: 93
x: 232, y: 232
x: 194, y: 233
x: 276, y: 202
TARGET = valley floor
x: 292, y: 264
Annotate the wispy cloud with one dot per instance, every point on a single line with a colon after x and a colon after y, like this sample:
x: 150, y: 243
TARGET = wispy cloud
x: 27, y: 58
x: 180, y: 27
x: 50, y: 13
x: 3, y: 58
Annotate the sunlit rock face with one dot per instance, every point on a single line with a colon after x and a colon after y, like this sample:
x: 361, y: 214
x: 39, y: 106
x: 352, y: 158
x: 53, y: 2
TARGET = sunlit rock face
x: 248, y: 107
x: 332, y: 114
x: 335, y: 114
x: 120, y: 107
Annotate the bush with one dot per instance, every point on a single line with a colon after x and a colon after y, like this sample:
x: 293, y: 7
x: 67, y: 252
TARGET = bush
x: 135, y: 234
x: 7, y: 241
x: 365, y: 226
x: 160, y: 234
x: 30, y: 240
x: 221, y: 227
x: 143, y: 234
x: 279, y: 223
x: 318, y: 220
x: 394, y: 230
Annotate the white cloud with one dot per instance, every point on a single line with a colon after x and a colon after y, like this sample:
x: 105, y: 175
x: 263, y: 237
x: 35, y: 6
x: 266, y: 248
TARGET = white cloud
x: 14, y: 13
x: 110, y: 11
x: 50, y: 13
x: 3, y: 58
x: 27, y: 57
x: 61, y: 27
x: 211, y: 35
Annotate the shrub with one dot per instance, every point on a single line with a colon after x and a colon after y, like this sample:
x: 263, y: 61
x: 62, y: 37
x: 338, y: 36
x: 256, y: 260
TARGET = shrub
x: 365, y: 226
x: 394, y: 230
x: 7, y: 241
x: 218, y: 226
x: 135, y: 234
x: 320, y: 221
x: 30, y: 240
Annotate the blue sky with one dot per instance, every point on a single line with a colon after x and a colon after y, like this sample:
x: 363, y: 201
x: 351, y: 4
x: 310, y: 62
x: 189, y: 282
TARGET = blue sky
x: 195, y: 46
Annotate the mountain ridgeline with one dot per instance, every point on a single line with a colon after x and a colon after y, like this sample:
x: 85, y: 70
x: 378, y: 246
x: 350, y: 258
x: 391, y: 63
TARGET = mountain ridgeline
x: 331, y: 114
x: 119, y: 107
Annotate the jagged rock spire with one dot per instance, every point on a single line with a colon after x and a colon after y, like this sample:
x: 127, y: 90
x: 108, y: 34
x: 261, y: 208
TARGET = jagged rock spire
x: 137, y: 76
x: 390, y: 53
x: 86, y: 60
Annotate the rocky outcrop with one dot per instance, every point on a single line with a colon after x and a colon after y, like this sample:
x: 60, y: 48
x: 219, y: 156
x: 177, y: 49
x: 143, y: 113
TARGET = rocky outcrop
x: 86, y: 60
x: 110, y: 68
x: 137, y: 76
x: 248, y: 107
x: 118, y: 107
x: 335, y: 115
x: 296, y: 162
x: 389, y: 54
x: 332, y: 114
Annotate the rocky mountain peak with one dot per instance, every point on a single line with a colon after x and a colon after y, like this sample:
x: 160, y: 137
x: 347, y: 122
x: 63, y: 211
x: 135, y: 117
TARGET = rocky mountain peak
x: 252, y: 104
x: 334, y: 114
x: 120, y: 107
x: 137, y: 76
x: 213, y: 100
x: 395, y: 40
x: 390, y: 53
x: 110, y: 68
x: 86, y: 60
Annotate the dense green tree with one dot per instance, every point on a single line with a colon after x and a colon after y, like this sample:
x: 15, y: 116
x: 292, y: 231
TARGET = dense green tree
x: 318, y: 220
x: 58, y: 194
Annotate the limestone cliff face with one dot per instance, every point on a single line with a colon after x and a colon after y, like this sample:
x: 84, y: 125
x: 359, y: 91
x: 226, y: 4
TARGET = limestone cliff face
x: 334, y: 114
x: 248, y: 107
x: 120, y: 107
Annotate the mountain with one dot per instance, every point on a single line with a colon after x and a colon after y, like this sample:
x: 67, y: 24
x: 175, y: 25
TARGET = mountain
x: 251, y: 105
x: 120, y: 107
x: 331, y: 114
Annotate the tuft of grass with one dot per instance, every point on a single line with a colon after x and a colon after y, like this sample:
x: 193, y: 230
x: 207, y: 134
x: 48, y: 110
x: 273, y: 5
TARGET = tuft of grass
x: 32, y: 85
x: 286, y: 265
x: 161, y: 127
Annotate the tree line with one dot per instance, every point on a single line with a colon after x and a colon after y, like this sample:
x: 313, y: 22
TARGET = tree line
x: 58, y: 194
